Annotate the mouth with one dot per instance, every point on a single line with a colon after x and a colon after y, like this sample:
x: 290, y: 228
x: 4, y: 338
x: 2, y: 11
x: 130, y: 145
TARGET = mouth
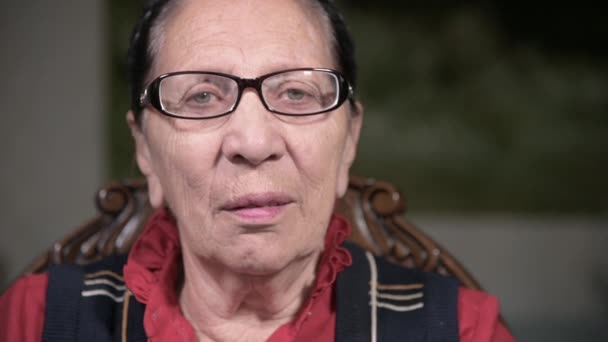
x: 258, y: 207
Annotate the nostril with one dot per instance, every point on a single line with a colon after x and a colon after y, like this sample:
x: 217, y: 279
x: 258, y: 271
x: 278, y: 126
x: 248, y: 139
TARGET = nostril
x: 273, y: 157
x: 239, y: 159
x: 253, y: 160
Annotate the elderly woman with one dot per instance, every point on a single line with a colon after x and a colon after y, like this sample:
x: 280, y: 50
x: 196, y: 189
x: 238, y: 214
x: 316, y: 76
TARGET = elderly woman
x: 246, y: 125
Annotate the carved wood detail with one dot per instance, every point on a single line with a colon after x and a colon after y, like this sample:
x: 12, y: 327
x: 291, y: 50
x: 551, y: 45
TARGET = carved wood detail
x: 376, y: 210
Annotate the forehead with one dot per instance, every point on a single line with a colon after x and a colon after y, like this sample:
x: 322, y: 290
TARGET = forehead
x: 243, y: 37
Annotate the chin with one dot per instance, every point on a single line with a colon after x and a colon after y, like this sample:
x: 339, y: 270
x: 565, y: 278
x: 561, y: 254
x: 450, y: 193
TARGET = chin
x: 258, y: 264
x: 260, y: 260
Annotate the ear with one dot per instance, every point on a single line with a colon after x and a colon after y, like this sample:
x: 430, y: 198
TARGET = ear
x: 144, y: 162
x: 350, y: 148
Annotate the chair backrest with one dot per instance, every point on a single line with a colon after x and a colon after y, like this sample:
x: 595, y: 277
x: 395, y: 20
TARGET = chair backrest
x: 375, y: 209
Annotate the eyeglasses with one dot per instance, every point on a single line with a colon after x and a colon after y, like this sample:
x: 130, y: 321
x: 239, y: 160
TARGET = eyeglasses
x: 206, y: 95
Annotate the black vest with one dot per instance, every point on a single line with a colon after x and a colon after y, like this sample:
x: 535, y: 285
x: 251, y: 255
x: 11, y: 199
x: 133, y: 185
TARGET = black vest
x: 375, y: 301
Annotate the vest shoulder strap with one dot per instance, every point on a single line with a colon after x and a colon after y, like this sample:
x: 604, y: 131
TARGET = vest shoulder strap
x: 91, y: 303
x: 380, y: 301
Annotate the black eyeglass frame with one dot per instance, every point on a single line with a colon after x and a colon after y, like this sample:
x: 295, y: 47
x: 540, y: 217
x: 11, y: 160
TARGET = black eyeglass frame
x: 151, y: 94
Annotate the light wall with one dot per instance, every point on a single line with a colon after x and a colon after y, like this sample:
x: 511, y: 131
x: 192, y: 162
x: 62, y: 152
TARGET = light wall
x: 52, y: 84
x: 549, y: 272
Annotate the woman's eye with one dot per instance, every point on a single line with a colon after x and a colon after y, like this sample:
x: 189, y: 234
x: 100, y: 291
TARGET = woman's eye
x: 201, y: 98
x: 296, y: 94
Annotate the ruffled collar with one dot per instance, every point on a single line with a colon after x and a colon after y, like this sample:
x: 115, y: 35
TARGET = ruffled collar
x: 154, y: 265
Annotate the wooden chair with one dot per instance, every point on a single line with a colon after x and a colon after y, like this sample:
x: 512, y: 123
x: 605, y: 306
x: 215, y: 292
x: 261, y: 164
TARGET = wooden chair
x: 375, y: 209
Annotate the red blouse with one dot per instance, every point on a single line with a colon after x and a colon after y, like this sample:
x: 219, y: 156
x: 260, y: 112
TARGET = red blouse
x: 151, y: 274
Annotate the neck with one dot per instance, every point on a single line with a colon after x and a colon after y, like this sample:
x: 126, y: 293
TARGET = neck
x: 225, y: 305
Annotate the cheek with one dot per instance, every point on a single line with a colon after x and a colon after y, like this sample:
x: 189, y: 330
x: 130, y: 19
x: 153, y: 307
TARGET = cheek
x: 319, y: 160
x: 321, y: 154
x: 183, y: 163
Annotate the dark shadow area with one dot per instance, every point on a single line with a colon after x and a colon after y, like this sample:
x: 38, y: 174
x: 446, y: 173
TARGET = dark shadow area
x: 4, y: 281
x: 475, y: 113
x: 600, y: 280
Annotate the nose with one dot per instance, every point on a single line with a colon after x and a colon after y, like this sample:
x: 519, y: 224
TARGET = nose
x: 253, y: 134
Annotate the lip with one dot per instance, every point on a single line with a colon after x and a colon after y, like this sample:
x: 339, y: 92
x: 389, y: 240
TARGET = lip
x: 258, y: 207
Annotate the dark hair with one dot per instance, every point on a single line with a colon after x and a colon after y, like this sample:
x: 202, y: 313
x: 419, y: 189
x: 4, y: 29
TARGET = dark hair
x: 140, y: 55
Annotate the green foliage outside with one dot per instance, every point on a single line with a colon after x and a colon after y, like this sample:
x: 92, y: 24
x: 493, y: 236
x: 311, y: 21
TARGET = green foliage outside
x: 457, y: 117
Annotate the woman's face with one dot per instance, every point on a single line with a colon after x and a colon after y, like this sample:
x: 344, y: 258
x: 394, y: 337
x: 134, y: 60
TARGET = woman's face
x: 252, y: 191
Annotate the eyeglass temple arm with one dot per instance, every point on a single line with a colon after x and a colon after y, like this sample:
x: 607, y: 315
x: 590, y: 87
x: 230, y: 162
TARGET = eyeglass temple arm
x: 144, y: 99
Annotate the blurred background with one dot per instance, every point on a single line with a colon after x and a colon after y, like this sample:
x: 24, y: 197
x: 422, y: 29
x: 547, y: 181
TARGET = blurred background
x: 491, y: 116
